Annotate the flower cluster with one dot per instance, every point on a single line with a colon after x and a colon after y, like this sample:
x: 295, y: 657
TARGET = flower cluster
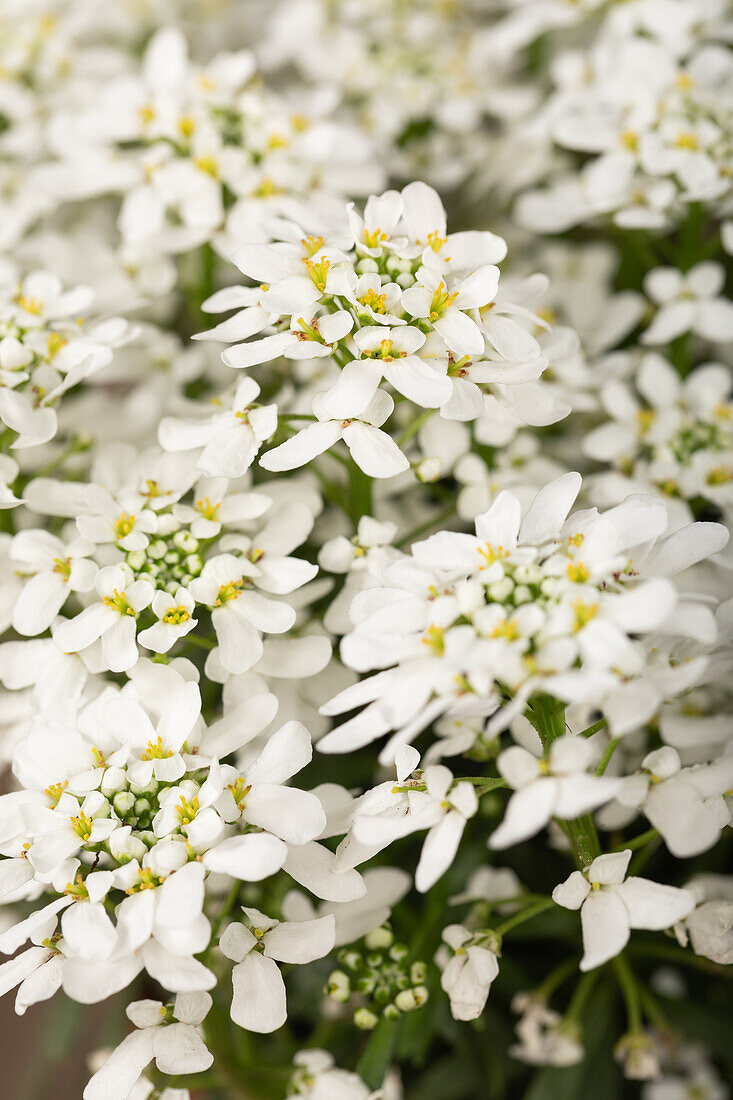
x: 366, y: 480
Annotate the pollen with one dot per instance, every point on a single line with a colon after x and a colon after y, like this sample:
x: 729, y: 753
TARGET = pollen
x: 156, y: 751
x: 373, y: 237
x: 491, y: 554
x: 119, y: 602
x: 687, y: 140
x: 207, y: 509
x: 174, y: 616
x: 54, y: 344
x: 82, y: 825
x: 30, y: 305
x: 229, y: 591
x: 434, y: 637
x: 645, y: 418
x: 62, y: 566
x: 318, y: 272
x: 719, y: 475
x: 123, y: 525
x: 209, y: 165
x: 55, y: 790
x: 578, y: 573
x: 376, y: 302
x: 583, y: 612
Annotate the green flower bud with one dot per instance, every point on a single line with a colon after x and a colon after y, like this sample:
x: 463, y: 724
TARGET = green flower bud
x: 365, y: 1019
x: 379, y: 938
x: 123, y: 802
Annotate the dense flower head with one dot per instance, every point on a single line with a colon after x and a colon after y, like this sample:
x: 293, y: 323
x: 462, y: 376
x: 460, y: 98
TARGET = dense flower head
x: 553, y: 603
x: 355, y: 741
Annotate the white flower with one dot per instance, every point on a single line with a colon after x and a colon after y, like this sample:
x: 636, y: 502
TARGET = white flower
x: 555, y: 787
x: 229, y: 439
x: 689, y: 303
x: 113, y: 619
x: 239, y: 613
x: 259, y: 1000
x: 174, y: 614
x: 468, y: 974
x: 610, y: 907
x: 170, y: 1036
x: 56, y: 569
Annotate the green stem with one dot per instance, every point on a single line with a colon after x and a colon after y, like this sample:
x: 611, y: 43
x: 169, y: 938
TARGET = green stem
x: 360, y: 493
x: 580, y: 995
x: 599, y: 725
x: 377, y: 1054
x: 608, y: 753
x: 630, y: 991
x: 413, y: 428
x: 638, y: 841
x: 556, y: 978
x: 436, y: 521
x: 525, y: 915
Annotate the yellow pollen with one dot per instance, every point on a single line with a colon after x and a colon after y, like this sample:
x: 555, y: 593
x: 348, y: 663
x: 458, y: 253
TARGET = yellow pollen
x: 55, y: 790
x: 595, y: 885
x: 174, y: 616
x: 318, y: 272
x: 155, y: 751
x: 207, y: 509
x: 434, y: 637
x: 186, y: 125
x: 118, y: 602
x: 123, y: 525
x: 491, y: 554
x: 30, y: 305
x: 506, y: 629
x: 630, y: 140
x: 436, y: 242
x: 55, y: 343
x: 229, y: 591
x: 578, y: 573
x: 277, y: 141
x: 376, y: 302
x: 645, y: 419
x: 372, y: 237
x: 209, y: 165
x: 147, y: 114
x: 266, y: 188
x: 584, y: 612
x: 719, y: 475
x: 686, y: 140
x: 82, y: 825
x: 441, y: 302
x: 62, y: 566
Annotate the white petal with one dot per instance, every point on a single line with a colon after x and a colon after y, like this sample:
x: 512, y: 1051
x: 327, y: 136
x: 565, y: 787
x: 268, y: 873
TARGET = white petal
x: 258, y: 1001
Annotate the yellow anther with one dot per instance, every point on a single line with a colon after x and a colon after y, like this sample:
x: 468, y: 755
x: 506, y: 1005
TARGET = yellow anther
x: 645, y: 418
x: 578, y: 573
x: 156, y: 751
x: 209, y: 165
x: 372, y: 237
x: 207, y: 509
x: 174, y: 616
x: 434, y: 637
x: 123, y: 525
x: 119, y: 602
x: 491, y: 554
x: 54, y: 344
x: 583, y: 612
x: 229, y: 591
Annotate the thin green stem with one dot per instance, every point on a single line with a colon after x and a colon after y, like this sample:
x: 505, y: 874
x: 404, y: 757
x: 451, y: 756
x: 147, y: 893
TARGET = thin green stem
x: 630, y: 992
x: 607, y: 754
x: 413, y: 428
x: 580, y: 995
x: 638, y: 841
x: 525, y: 915
x: 599, y: 725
